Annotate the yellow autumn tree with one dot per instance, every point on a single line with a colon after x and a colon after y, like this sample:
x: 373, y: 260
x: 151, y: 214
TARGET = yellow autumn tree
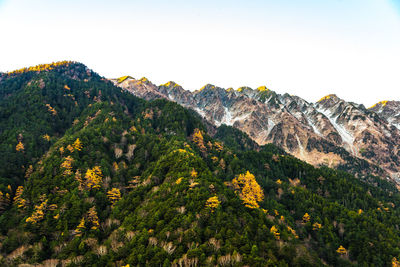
x: 395, y: 262
x: 274, y: 231
x: 78, y: 177
x: 38, y: 213
x: 19, y: 146
x: 341, y: 250
x: 193, y: 173
x: 46, y: 137
x: 248, y: 189
x: 306, y: 217
x: 213, y: 203
x: 114, y: 195
x: 81, y: 227
x: 77, y: 145
x: 93, y: 218
x: 199, y: 140
x: 317, y: 226
x: 94, y: 177
x: 218, y: 146
x: 18, y: 200
x: 67, y: 165
x: 70, y: 148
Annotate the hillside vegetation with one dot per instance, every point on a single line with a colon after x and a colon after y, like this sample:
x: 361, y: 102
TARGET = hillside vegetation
x: 94, y: 176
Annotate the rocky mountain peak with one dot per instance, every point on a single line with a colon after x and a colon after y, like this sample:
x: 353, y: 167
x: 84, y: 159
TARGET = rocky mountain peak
x: 319, y: 133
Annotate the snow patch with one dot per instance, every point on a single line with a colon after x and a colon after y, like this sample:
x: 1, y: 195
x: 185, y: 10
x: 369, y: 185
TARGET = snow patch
x: 202, y: 113
x: 271, y: 125
x: 314, y: 127
x: 346, y: 136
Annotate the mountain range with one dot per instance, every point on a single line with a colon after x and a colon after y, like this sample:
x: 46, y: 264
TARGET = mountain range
x: 330, y: 132
x: 94, y: 174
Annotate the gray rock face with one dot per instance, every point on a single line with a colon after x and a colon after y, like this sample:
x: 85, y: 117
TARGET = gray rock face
x: 310, y: 131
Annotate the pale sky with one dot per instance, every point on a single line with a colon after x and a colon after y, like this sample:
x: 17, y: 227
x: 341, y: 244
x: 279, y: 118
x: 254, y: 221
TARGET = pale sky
x: 308, y: 48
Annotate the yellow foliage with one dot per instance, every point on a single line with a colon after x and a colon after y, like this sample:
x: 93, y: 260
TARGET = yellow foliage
x: 326, y: 97
x: 38, y: 213
x: 46, y: 137
x: 262, y: 88
x: 248, y: 189
x: 41, y: 67
x: 214, y: 159
x: 341, y: 250
x: 218, y: 146
x: 123, y: 78
x: 179, y: 180
x: 93, y: 218
x: 274, y: 231
x: 193, y: 173
x: 66, y: 87
x: 395, y: 262
x: 67, y: 165
x: 61, y: 149
x: 276, y: 212
x: 19, y: 146
x: 56, y: 216
x: 317, y: 226
x: 133, y: 129
x: 115, y: 166
x: 290, y: 229
x: 18, y: 200
x: 382, y: 103
x: 81, y: 227
x: 70, y: 148
x: 51, y: 109
x: 306, y: 217
x: 114, y: 195
x: 279, y: 181
x: 213, y: 203
x: 77, y: 144
x: 360, y: 211
x: 199, y: 140
x: 94, y: 177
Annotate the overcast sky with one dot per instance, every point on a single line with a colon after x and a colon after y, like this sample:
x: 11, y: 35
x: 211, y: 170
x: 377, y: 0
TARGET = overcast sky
x: 308, y: 48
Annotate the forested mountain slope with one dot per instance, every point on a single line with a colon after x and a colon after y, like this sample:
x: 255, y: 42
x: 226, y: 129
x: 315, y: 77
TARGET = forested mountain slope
x: 125, y: 181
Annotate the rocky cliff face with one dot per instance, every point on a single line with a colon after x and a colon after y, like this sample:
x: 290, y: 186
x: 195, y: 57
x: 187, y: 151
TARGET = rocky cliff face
x: 329, y: 132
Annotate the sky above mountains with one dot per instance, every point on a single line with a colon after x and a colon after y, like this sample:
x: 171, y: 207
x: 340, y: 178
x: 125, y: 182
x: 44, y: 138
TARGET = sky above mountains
x: 309, y: 48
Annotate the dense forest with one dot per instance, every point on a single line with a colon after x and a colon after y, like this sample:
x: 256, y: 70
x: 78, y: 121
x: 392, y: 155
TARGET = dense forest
x: 93, y: 176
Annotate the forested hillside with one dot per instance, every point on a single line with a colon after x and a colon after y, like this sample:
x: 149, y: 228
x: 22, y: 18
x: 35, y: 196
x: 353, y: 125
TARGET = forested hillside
x: 93, y: 176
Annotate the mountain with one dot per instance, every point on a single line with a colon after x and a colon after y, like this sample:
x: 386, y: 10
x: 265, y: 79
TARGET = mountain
x: 330, y: 132
x: 390, y: 110
x: 100, y: 177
